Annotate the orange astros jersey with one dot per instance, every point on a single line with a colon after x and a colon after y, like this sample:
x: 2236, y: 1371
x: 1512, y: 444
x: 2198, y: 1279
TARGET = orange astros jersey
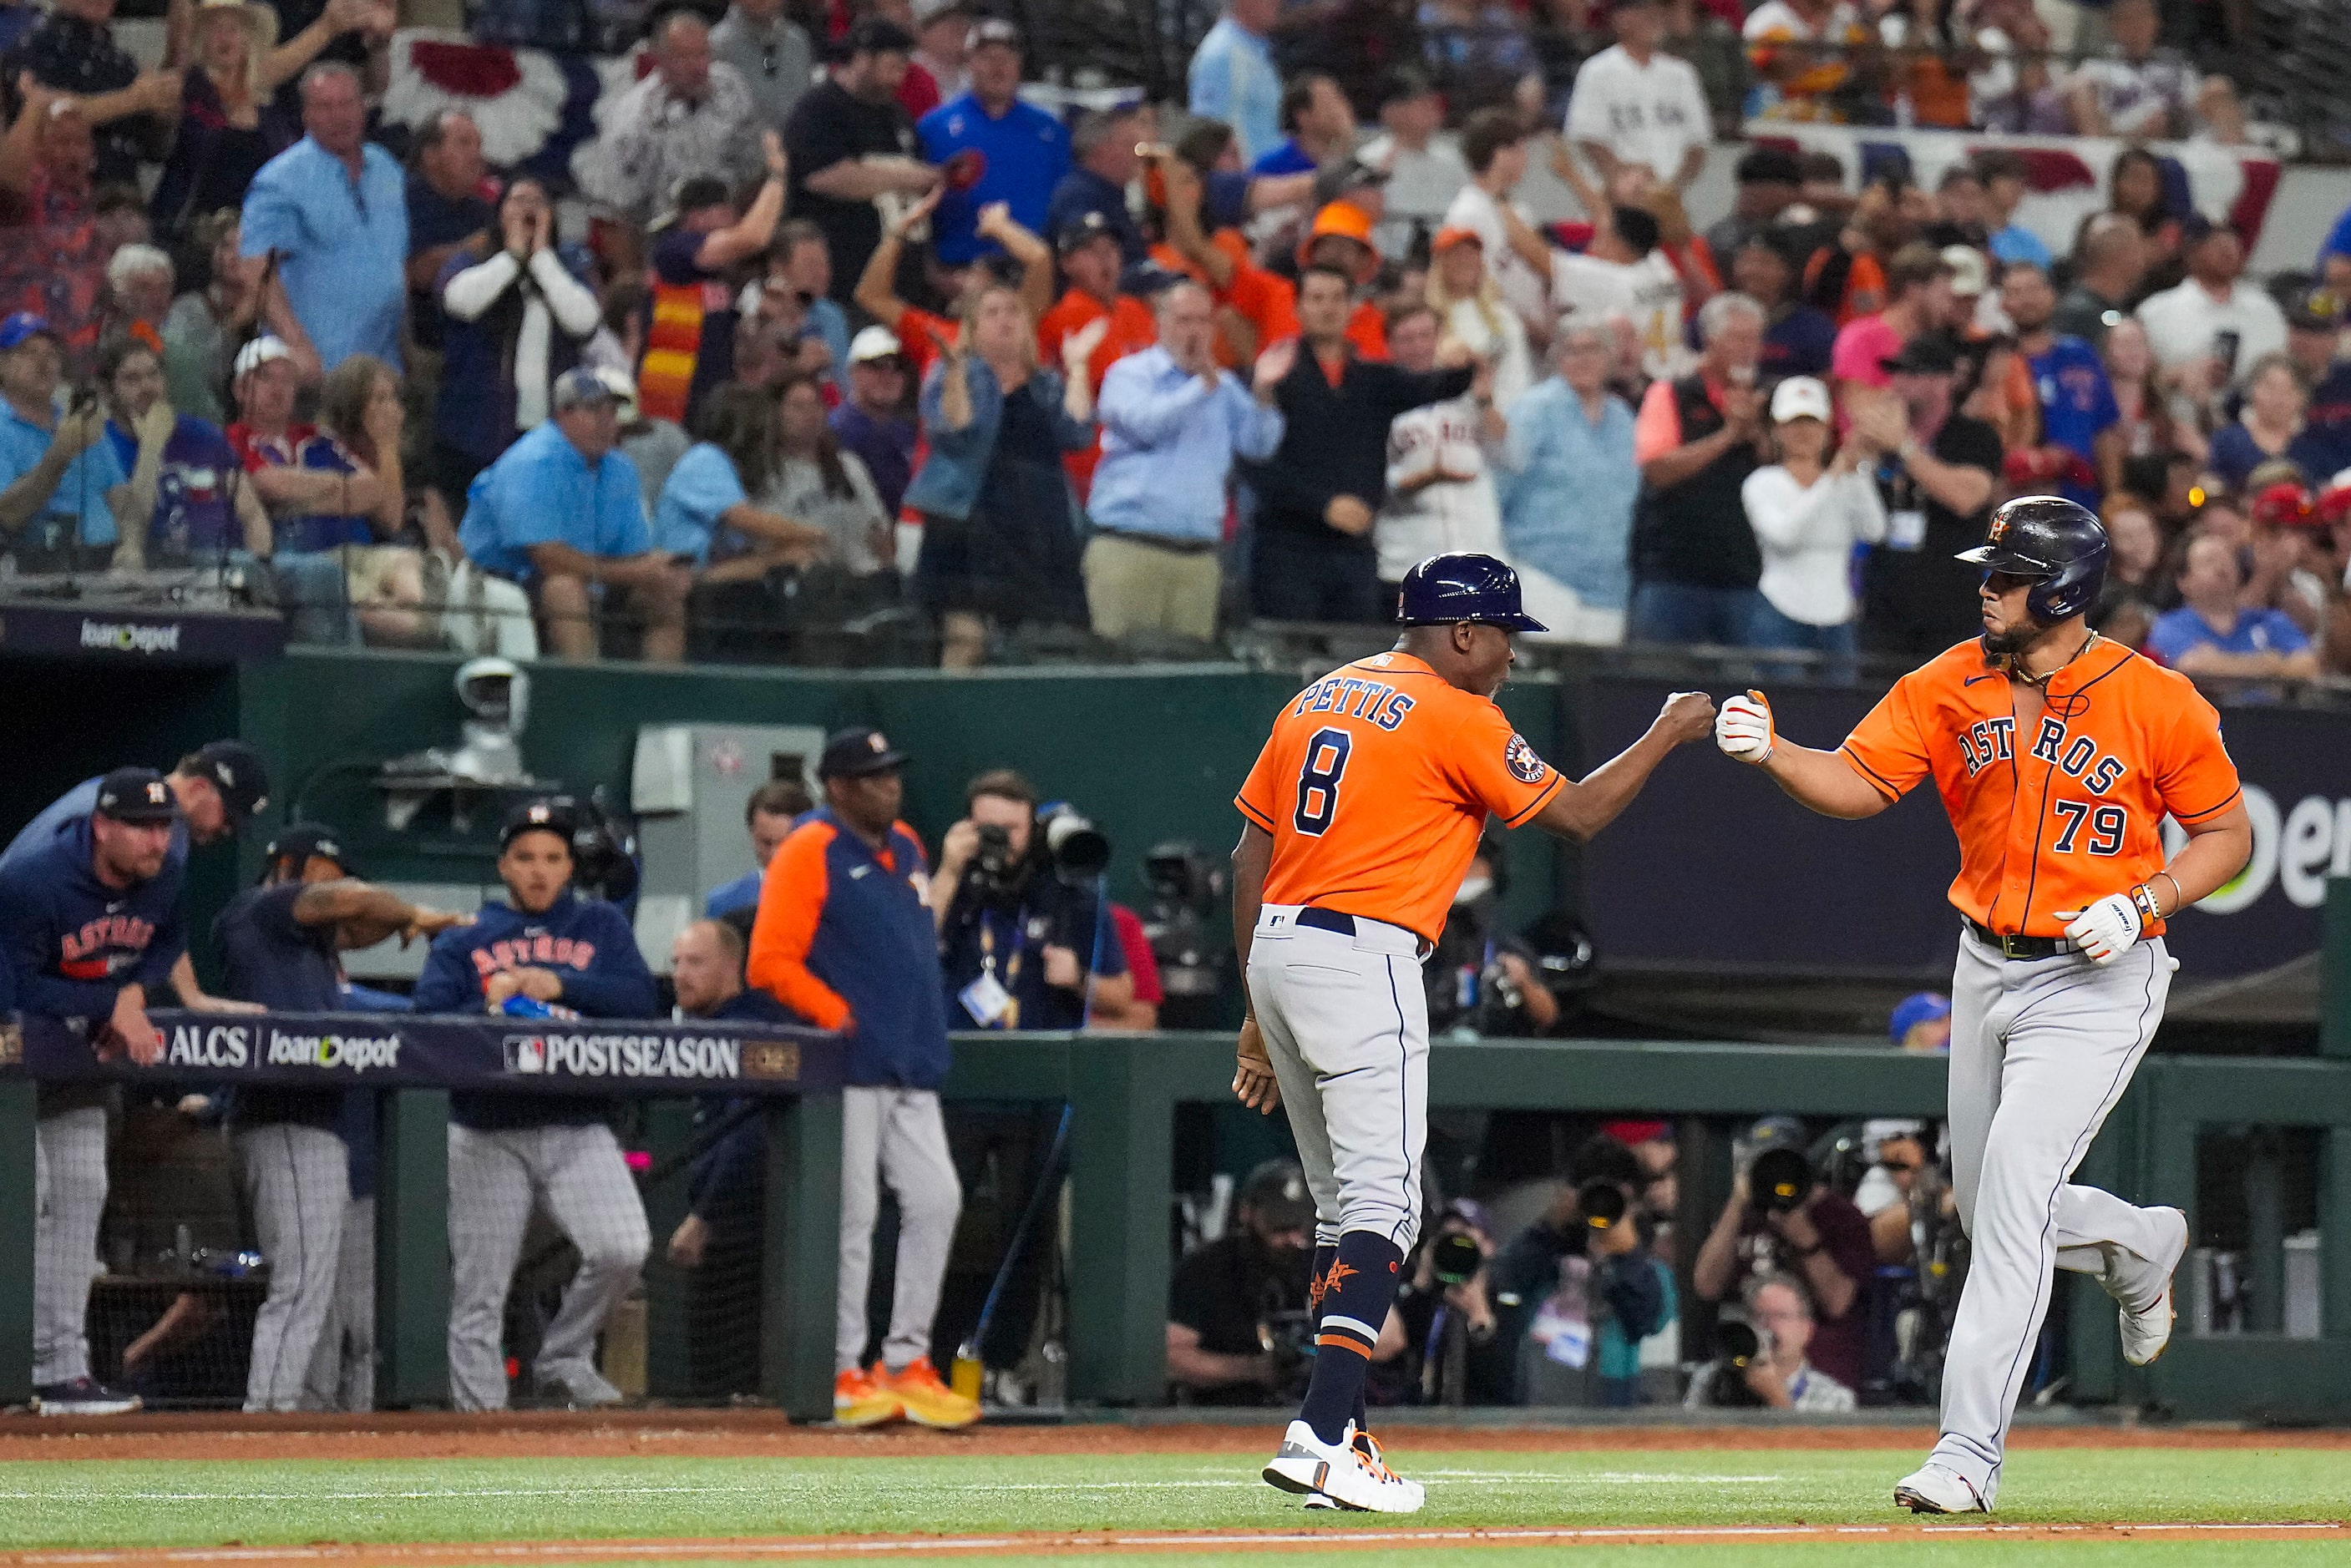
x: 1375, y: 784
x: 2060, y: 818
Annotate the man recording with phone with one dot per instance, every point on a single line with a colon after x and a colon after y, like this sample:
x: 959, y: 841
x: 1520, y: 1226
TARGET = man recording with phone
x: 1781, y: 1219
x: 1024, y: 935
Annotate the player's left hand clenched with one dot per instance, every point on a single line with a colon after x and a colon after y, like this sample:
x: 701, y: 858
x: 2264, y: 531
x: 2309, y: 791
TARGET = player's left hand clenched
x: 1254, y: 1083
x: 2106, y: 931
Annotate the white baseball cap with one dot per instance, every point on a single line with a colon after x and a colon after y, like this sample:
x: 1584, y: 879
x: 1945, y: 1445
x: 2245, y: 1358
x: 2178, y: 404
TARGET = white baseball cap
x: 1970, y: 270
x: 260, y: 352
x: 1800, y: 398
x: 623, y: 390
x: 875, y: 343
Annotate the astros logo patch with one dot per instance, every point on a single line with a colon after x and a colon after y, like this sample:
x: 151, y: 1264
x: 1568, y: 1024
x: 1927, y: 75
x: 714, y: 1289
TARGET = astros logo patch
x: 1520, y: 759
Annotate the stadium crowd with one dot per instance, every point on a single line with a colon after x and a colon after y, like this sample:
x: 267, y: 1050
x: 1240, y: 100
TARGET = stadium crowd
x: 831, y: 327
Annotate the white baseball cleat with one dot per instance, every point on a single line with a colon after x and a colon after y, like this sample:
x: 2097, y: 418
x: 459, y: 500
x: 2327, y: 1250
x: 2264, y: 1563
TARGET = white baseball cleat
x: 1340, y: 1472
x: 2148, y: 1330
x: 1931, y: 1489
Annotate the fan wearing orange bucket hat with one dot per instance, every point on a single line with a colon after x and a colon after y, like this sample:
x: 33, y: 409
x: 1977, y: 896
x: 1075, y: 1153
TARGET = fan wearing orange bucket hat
x: 1341, y: 238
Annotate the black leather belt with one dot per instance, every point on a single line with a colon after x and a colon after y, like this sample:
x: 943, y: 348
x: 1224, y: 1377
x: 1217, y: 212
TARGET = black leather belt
x: 1327, y: 920
x: 2022, y: 947
x: 1174, y: 546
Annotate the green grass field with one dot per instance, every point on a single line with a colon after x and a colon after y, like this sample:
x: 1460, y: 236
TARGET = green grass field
x: 196, y: 1502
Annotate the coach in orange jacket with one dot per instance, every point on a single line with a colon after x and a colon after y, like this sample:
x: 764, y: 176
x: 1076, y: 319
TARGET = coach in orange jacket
x: 845, y: 938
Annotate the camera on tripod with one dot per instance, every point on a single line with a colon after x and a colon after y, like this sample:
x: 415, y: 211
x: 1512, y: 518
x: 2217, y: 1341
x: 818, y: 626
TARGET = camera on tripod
x: 1187, y: 888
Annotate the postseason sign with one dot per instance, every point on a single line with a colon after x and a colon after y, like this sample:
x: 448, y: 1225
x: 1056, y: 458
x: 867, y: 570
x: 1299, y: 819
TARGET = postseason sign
x: 402, y: 1050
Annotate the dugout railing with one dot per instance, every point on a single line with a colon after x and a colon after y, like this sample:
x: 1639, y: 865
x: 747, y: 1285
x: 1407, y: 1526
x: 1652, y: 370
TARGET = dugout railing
x: 1125, y: 1091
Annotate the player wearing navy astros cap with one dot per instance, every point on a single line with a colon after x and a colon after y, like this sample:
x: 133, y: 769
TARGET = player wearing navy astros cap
x: 1360, y: 817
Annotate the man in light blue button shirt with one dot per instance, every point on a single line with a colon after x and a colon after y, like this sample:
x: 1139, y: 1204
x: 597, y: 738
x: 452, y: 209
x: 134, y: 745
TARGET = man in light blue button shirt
x: 334, y: 209
x: 1172, y: 423
x: 564, y: 512
x: 1232, y: 76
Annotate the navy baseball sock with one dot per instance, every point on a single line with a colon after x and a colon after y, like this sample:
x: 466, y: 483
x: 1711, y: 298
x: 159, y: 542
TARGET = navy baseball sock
x: 1325, y: 1254
x: 1356, y: 1292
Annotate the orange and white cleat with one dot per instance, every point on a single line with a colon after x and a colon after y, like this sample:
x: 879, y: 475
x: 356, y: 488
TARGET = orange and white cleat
x: 1343, y: 1472
x: 858, y: 1400
x: 1366, y: 1445
x: 924, y: 1396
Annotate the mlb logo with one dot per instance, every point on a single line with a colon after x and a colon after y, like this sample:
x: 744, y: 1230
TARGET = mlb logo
x: 526, y: 1053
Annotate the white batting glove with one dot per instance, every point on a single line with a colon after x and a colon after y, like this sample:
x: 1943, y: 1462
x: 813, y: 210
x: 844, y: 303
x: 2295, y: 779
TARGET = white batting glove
x: 1743, y: 728
x: 2106, y: 931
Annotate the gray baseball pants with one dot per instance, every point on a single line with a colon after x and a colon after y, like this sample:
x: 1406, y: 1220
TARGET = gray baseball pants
x: 494, y: 1178
x: 1345, y: 1021
x: 893, y: 1135
x: 298, y: 1178
x: 69, y: 1197
x: 342, y: 1365
x: 2040, y: 1050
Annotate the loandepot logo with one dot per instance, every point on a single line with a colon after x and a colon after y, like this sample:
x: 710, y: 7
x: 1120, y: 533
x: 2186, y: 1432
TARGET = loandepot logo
x: 2296, y: 851
x: 625, y: 1056
x: 346, y: 1053
x: 124, y: 637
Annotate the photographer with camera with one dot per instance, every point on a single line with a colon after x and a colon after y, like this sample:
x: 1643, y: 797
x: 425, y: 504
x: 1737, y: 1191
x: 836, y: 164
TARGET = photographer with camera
x: 1582, y: 1285
x: 1759, y: 1363
x: 1025, y: 935
x: 1460, y: 1356
x: 1238, y: 1330
x: 1780, y: 1219
x: 1481, y: 979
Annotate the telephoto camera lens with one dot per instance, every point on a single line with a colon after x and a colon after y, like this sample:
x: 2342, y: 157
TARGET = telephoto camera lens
x: 1736, y: 1346
x: 1079, y: 851
x: 1602, y: 1204
x: 1457, y: 1259
x: 1780, y: 1179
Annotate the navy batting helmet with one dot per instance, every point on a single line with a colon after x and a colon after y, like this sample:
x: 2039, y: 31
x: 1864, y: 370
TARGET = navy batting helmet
x: 1462, y: 585
x: 2058, y: 545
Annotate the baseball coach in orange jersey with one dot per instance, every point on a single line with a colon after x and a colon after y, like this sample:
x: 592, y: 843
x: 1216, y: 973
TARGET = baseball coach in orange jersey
x: 1361, y: 816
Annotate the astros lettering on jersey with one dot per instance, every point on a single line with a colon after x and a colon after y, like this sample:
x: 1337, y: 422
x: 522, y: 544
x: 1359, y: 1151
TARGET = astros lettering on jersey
x: 1375, y: 784
x: 2064, y: 817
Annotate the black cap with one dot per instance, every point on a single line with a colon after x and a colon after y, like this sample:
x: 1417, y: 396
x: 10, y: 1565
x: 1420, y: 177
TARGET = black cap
x: 1276, y: 1191
x: 1084, y: 230
x: 541, y: 815
x: 136, y: 794
x: 853, y: 754
x: 1344, y: 175
x: 879, y: 36
x: 299, y: 841
x: 1930, y: 354
x: 2198, y: 228
x: 234, y: 770
x: 2317, y: 310
x: 1769, y: 166
x: 1405, y: 83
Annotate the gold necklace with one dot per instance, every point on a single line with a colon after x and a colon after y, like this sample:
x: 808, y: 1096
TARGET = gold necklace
x: 2043, y: 680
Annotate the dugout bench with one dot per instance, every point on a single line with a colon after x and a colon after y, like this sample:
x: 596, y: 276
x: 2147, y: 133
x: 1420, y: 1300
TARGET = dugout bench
x: 412, y: 1060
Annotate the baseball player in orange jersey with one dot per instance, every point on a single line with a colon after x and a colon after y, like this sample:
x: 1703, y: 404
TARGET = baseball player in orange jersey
x: 2058, y: 754
x: 1364, y: 812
